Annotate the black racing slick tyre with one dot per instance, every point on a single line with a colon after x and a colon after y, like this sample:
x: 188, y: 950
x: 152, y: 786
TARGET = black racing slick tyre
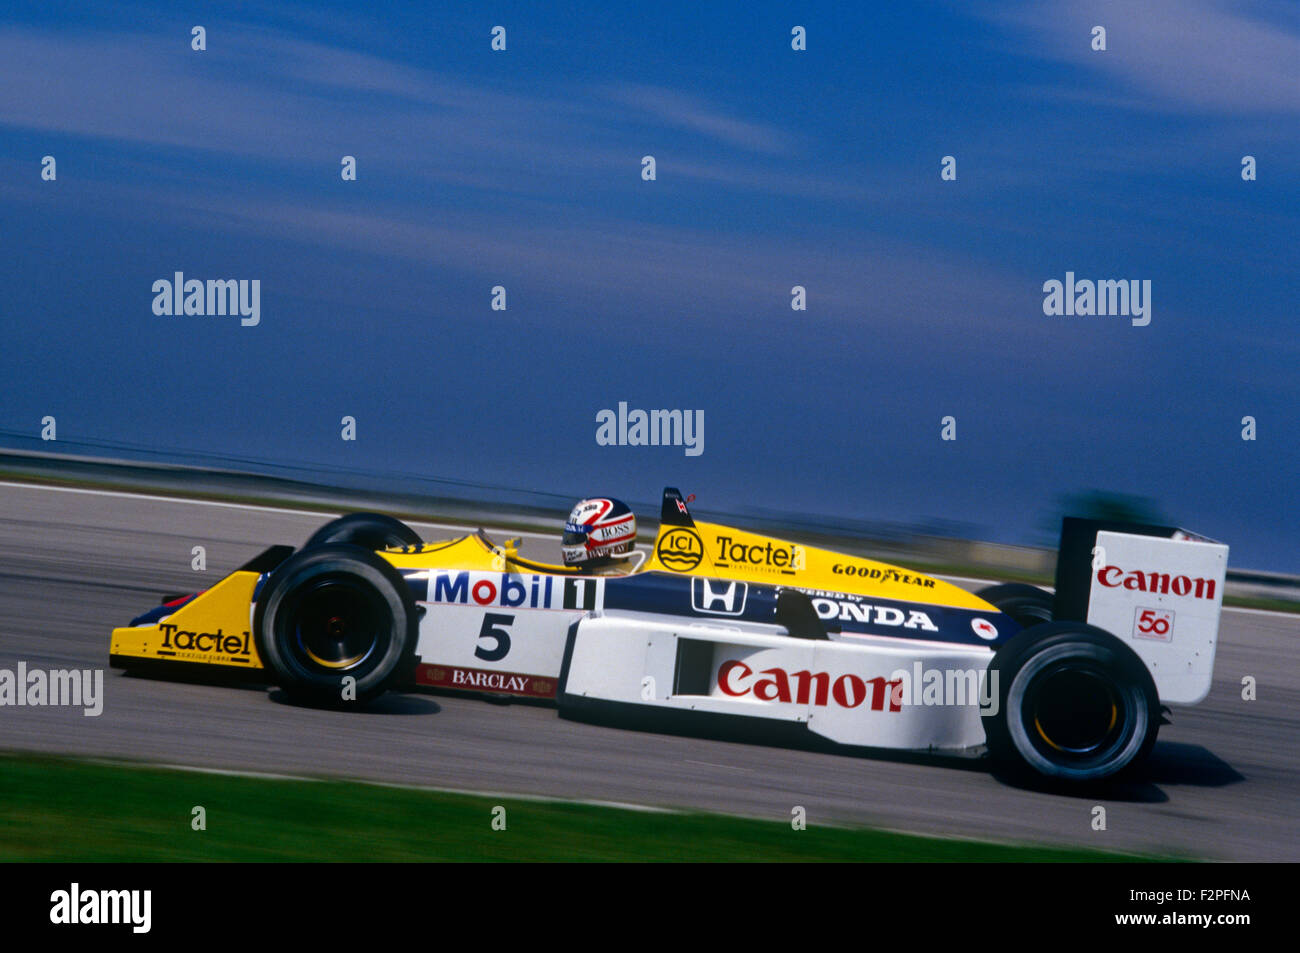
x: 1027, y: 605
x: 368, y: 530
x: 1075, y: 705
x: 332, y: 613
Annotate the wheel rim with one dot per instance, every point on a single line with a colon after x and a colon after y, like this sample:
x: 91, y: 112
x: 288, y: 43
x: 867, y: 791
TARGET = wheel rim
x: 1074, y: 711
x: 338, y: 622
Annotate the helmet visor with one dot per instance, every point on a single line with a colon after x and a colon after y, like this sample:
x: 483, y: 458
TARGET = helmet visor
x: 575, y: 534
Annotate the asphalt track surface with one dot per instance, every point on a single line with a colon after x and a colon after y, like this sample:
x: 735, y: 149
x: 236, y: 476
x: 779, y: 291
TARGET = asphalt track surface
x: 1223, y: 782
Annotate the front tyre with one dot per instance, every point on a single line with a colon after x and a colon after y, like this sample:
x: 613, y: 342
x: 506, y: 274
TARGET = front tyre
x: 333, y: 613
x: 1076, y: 705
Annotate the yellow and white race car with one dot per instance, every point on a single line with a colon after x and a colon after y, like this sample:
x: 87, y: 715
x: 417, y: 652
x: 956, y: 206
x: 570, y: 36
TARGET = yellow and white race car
x: 718, y: 627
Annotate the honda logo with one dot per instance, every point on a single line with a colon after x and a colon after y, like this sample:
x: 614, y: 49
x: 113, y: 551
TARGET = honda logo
x: 719, y: 598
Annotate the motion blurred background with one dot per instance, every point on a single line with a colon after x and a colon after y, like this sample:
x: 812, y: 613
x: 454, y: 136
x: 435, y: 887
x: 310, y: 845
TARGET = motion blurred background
x: 775, y: 168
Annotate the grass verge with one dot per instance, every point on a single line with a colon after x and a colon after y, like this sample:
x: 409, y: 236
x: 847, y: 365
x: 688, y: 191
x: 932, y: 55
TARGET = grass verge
x: 55, y: 809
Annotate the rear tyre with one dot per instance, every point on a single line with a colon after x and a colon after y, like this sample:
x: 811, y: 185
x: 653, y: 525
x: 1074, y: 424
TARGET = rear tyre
x: 332, y: 613
x: 367, y: 530
x: 1027, y: 605
x: 1076, y: 705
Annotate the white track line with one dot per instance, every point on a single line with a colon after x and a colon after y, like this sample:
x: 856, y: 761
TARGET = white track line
x: 125, y: 494
x: 960, y: 580
x: 343, y: 779
x: 1269, y: 612
x: 456, y: 526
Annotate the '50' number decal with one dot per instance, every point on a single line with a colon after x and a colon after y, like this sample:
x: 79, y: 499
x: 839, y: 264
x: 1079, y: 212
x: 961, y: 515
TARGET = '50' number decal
x: 1155, y: 624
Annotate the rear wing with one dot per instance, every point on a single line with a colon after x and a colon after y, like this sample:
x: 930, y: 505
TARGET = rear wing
x: 1158, y: 589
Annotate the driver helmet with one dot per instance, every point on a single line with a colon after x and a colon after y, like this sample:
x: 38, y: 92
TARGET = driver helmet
x: 597, y: 530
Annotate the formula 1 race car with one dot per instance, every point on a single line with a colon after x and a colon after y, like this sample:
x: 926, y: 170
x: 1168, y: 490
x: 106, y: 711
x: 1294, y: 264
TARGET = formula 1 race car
x: 723, y: 626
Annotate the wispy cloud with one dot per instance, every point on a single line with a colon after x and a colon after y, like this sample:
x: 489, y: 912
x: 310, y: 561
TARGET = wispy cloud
x: 269, y: 97
x: 1197, y: 56
x: 684, y: 111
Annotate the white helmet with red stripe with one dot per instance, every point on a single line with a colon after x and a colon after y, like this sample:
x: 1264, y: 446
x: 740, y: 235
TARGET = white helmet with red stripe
x: 598, y: 529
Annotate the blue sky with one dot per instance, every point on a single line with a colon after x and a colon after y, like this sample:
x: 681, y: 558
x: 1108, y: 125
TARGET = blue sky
x: 775, y: 168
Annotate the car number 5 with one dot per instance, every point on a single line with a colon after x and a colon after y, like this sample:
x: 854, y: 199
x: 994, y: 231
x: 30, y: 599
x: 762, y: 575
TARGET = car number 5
x: 493, y: 628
